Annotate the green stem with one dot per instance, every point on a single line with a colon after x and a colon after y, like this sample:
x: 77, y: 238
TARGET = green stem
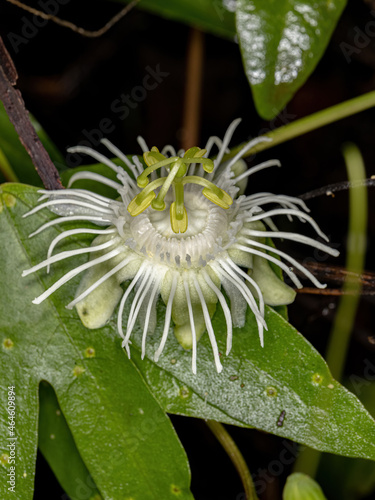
x: 309, y: 123
x: 236, y: 457
x: 342, y: 328
x: 6, y: 169
x: 308, y: 460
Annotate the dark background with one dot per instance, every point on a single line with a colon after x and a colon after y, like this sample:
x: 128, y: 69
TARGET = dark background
x: 69, y: 83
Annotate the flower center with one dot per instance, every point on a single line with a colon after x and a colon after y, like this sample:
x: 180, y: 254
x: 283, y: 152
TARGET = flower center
x: 177, y: 168
x: 153, y: 235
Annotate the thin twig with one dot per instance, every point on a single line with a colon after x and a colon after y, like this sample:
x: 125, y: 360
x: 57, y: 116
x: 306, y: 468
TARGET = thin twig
x: 332, y: 291
x: 19, y: 116
x: 236, y: 457
x: 72, y: 26
x: 339, y: 276
x: 338, y: 186
x: 192, y: 104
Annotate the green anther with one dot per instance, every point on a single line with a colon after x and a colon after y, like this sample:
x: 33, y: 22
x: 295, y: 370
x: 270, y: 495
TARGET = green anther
x: 136, y: 206
x: 210, y: 191
x: 144, y: 198
x: 218, y: 196
x: 207, y: 164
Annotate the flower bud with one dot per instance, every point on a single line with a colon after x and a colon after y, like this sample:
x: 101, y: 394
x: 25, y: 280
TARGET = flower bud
x: 302, y: 487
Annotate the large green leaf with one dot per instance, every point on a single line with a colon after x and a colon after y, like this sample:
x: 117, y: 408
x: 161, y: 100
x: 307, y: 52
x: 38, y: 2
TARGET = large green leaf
x: 56, y: 443
x: 256, y: 385
x: 124, y: 437
x: 214, y: 16
x: 281, y: 43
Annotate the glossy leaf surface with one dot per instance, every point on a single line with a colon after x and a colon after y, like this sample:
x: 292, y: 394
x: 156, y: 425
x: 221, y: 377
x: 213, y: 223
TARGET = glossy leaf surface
x: 281, y: 43
x: 124, y: 437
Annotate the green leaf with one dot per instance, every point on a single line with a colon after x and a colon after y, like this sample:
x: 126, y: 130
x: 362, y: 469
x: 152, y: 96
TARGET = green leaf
x: 281, y: 43
x: 214, y: 16
x: 125, y: 439
x: 257, y: 384
x: 59, y: 449
x: 16, y: 154
x: 346, y: 478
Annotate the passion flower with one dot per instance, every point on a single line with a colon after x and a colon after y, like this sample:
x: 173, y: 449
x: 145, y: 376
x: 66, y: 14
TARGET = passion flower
x: 181, y: 229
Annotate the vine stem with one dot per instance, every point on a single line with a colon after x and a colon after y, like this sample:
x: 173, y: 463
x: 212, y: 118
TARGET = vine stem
x: 19, y: 116
x: 236, y: 457
x: 308, y: 460
x: 356, y: 244
x: 311, y: 122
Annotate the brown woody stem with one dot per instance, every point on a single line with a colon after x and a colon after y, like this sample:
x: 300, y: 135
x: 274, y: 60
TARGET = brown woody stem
x: 19, y: 116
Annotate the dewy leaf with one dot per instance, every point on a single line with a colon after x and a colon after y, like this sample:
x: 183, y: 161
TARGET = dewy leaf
x: 56, y: 443
x: 215, y: 16
x: 124, y: 437
x: 284, y: 388
x: 281, y: 43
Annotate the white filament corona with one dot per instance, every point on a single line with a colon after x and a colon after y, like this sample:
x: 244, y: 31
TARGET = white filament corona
x: 188, y: 270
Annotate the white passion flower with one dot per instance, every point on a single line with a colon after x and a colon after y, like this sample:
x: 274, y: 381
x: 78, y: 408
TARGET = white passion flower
x: 180, y: 229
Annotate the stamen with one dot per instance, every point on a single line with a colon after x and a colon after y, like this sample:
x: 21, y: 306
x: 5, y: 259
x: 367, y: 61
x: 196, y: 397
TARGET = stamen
x: 158, y: 203
x: 144, y: 198
x: 210, y: 191
x: 142, y: 179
